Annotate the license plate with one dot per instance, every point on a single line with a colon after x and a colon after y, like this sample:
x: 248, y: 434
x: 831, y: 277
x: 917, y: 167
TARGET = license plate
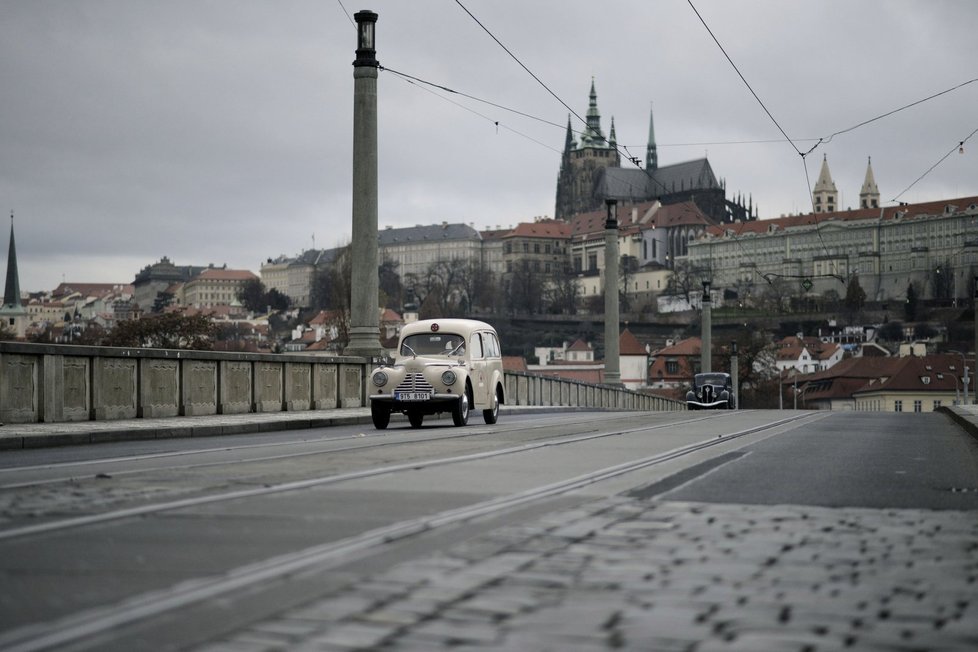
x: 412, y: 396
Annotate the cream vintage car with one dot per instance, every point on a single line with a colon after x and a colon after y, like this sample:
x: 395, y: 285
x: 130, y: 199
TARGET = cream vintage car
x: 441, y: 365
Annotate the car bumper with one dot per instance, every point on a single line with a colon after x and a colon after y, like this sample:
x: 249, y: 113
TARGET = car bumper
x: 701, y: 405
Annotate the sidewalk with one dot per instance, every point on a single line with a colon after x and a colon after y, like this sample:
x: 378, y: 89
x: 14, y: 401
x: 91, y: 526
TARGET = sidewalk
x: 965, y: 416
x: 41, y: 435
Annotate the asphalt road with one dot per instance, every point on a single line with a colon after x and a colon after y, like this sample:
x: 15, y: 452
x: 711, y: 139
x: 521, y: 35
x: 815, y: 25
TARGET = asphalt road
x: 167, y: 544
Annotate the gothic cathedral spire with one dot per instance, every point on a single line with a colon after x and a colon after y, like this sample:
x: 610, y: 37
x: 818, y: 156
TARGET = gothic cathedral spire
x: 651, y: 153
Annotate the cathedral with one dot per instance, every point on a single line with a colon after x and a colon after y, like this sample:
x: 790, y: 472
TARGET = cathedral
x: 591, y: 171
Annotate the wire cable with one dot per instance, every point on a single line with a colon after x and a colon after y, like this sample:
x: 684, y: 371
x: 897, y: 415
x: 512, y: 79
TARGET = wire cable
x: 931, y: 168
x: 742, y: 78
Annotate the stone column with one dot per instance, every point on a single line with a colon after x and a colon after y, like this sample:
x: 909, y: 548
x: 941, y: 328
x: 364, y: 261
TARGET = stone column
x: 734, y: 371
x: 706, y: 362
x: 612, y: 362
x: 365, y: 282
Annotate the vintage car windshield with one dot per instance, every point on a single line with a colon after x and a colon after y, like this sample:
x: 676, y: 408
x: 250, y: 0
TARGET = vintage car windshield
x: 433, y: 344
x: 711, y: 379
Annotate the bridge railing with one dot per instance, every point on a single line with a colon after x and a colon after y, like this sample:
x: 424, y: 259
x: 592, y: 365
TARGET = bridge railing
x: 59, y: 383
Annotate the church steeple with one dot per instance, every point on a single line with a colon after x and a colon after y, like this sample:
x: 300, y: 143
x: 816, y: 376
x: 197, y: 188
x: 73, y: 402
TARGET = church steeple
x: 825, y: 197
x: 651, y: 153
x: 612, y: 141
x: 13, y: 313
x: 593, y: 135
x: 11, y: 291
x: 869, y: 195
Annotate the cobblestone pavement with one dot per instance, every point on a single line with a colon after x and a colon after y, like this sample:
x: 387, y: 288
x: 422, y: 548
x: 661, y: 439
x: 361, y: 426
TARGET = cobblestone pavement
x: 631, y: 574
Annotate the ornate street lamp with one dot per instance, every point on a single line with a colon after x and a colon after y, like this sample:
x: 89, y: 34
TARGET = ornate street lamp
x: 365, y: 281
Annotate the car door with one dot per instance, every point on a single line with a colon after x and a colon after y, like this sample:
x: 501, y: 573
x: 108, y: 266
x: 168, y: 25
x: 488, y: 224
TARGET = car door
x: 477, y: 357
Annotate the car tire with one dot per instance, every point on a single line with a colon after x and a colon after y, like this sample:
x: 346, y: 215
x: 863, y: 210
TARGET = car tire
x: 415, y: 418
x: 380, y: 415
x: 460, y: 411
x: 491, y: 415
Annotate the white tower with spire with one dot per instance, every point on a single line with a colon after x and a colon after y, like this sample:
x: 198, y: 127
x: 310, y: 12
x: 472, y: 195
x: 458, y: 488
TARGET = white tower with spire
x: 869, y: 195
x: 825, y: 197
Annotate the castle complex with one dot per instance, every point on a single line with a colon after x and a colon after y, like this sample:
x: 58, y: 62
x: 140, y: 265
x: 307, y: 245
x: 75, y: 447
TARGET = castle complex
x: 591, y: 171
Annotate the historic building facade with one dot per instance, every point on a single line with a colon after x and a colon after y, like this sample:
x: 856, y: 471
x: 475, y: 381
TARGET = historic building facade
x: 932, y: 245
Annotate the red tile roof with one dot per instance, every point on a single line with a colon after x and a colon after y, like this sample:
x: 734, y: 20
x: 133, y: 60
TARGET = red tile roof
x: 628, y: 344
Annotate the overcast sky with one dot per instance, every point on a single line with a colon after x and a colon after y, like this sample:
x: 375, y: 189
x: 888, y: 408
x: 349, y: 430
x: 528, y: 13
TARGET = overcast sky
x: 221, y: 131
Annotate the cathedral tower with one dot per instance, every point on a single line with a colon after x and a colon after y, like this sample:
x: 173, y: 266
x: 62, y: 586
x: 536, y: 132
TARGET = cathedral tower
x: 869, y: 195
x: 581, y: 163
x: 825, y: 197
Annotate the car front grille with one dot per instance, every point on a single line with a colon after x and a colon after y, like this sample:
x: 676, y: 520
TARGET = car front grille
x: 415, y: 382
x: 708, y: 393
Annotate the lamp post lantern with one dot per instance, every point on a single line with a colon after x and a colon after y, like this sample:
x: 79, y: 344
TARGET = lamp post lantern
x: 365, y: 280
x: 612, y: 364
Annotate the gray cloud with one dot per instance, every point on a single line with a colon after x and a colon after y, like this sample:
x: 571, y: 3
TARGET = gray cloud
x: 221, y: 131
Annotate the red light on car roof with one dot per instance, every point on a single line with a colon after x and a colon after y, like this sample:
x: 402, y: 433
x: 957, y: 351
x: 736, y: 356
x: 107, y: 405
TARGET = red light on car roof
x: 434, y: 328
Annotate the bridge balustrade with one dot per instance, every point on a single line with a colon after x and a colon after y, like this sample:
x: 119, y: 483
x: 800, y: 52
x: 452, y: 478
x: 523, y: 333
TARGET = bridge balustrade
x: 63, y: 383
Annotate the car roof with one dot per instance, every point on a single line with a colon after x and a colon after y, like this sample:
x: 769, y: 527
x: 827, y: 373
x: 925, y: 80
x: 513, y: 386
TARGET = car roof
x: 459, y: 326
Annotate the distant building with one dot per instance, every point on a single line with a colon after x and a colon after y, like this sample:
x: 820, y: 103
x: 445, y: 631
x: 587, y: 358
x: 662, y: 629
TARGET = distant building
x: 216, y: 286
x: 933, y: 245
x: 294, y: 276
x: 415, y: 248
x: 153, y: 280
x: 886, y: 384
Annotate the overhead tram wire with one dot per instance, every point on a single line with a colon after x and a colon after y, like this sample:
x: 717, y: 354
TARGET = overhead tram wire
x: 931, y: 168
x: 548, y: 89
x: 497, y: 123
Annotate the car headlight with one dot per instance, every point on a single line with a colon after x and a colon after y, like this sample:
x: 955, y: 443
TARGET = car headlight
x: 449, y: 377
x: 379, y: 378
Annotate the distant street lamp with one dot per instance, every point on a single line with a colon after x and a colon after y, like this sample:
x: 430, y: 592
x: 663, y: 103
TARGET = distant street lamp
x: 612, y: 362
x: 706, y: 334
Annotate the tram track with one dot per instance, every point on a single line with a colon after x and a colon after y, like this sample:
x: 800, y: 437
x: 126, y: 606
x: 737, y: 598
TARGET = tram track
x: 362, y: 442
x: 84, y: 625
x: 153, y: 508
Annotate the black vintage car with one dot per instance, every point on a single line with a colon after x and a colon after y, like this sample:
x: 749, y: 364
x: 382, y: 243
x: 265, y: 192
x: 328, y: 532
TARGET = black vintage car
x: 711, y: 391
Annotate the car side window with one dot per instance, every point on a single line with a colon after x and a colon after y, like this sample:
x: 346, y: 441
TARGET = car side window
x: 492, y: 345
x: 476, y: 342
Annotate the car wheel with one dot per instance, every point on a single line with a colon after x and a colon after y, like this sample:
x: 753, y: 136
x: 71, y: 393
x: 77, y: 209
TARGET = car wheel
x: 415, y: 418
x: 380, y: 415
x: 491, y: 415
x: 460, y: 411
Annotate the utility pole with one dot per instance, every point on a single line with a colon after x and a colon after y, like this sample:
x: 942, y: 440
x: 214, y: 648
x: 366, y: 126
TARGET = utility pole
x: 612, y: 363
x: 365, y: 281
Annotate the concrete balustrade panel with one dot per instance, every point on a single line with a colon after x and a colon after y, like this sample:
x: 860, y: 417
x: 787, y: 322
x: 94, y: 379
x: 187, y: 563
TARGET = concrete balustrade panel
x: 199, y: 381
x: 298, y: 386
x: 20, y: 392
x: 114, y: 388
x: 351, y: 385
x: 159, y: 388
x: 269, y: 386
x: 235, y: 387
x: 76, y: 374
x: 325, y: 386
